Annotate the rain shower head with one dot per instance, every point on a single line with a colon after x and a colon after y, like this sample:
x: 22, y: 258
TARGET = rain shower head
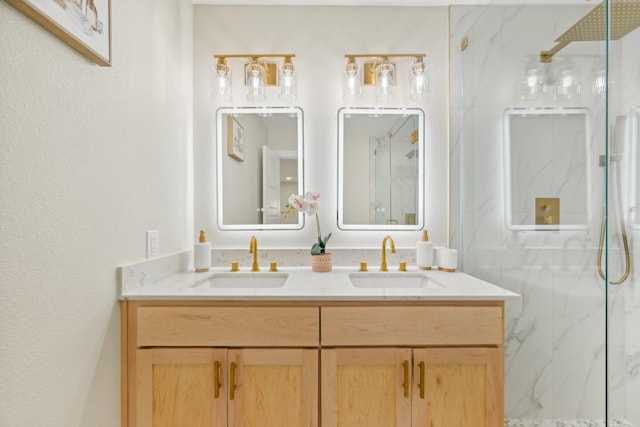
x: 625, y: 17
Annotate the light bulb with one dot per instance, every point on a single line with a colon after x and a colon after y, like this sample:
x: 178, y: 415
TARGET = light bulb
x: 385, y: 79
x: 222, y: 83
x: 288, y: 90
x: 419, y: 81
x: 255, y: 82
x: 351, y: 83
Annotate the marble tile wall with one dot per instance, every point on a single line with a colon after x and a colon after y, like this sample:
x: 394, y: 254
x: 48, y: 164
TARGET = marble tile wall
x: 555, y: 353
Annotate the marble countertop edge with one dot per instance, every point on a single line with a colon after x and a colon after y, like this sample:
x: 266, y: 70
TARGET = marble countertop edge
x: 302, y: 284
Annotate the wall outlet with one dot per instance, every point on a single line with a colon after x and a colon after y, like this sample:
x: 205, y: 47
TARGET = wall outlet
x: 153, y: 243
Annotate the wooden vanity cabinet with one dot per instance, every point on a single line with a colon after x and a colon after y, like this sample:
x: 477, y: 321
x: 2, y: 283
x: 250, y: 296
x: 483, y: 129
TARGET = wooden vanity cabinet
x: 427, y: 364
x: 216, y: 366
x: 176, y: 387
x: 438, y: 365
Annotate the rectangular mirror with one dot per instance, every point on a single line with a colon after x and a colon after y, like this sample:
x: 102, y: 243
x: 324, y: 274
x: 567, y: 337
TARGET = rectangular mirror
x: 547, y: 168
x: 380, y: 169
x: 259, y: 165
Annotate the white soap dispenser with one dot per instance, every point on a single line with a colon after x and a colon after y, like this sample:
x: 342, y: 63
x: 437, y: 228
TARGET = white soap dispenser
x: 202, y: 254
x: 424, y: 252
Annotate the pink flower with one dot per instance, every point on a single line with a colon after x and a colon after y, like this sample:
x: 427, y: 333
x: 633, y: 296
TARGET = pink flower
x: 309, y: 205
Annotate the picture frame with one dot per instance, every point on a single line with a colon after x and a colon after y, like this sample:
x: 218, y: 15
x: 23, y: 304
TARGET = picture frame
x: 84, y: 25
x: 235, y: 139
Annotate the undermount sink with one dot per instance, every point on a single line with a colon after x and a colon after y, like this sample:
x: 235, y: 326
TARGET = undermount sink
x: 245, y: 280
x: 393, y: 280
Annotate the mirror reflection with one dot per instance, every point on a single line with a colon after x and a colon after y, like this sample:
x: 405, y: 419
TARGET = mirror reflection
x: 547, y: 168
x: 259, y: 166
x: 380, y: 170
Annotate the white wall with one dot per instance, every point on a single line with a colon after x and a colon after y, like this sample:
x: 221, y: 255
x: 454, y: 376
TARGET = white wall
x: 90, y: 158
x: 320, y: 37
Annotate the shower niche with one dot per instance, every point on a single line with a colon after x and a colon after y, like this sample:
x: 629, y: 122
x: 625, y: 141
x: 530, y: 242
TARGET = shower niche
x: 547, y: 168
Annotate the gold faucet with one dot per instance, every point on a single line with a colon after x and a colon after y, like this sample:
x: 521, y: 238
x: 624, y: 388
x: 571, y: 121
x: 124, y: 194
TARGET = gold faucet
x: 253, y: 249
x: 383, y: 264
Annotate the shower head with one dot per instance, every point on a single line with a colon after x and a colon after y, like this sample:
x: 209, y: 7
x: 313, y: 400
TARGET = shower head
x: 625, y: 17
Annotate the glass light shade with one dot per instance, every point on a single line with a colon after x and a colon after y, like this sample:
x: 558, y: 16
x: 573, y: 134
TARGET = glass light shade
x: 567, y: 85
x: 222, y: 83
x: 533, y: 83
x: 385, y: 80
x: 351, y: 82
x: 599, y: 85
x: 419, y: 81
x: 255, y: 82
x: 288, y: 89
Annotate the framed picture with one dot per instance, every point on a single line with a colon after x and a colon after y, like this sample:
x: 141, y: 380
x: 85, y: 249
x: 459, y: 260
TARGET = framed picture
x: 85, y: 25
x: 235, y: 143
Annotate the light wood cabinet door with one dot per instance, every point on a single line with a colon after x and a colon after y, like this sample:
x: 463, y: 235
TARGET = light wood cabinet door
x: 177, y: 387
x: 458, y: 387
x: 273, y: 388
x: 367, y: 387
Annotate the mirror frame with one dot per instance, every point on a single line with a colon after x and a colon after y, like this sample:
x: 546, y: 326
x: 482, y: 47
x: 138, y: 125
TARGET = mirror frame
x: 419, y: 225
x: 519, y: 111
x: 221, y: 147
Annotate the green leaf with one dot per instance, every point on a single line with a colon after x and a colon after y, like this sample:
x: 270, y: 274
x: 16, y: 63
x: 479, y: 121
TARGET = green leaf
x: 316, y: 249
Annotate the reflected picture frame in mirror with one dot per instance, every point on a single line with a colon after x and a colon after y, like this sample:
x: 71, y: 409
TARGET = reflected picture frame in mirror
x: 547, y: 168
x: 381, y: 168
x: 255, y: 180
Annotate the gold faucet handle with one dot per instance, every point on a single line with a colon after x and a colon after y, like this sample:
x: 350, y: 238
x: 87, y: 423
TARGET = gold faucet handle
x: 273, y: 265
x: 403, y: 265
x: 363, y: 265
x: 235, y: 265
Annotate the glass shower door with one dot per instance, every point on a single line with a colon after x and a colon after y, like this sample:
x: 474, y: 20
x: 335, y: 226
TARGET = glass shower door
x: 623, y: 221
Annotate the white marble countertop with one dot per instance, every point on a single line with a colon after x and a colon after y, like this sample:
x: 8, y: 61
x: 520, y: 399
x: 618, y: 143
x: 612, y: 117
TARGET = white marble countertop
x: 302, y: 284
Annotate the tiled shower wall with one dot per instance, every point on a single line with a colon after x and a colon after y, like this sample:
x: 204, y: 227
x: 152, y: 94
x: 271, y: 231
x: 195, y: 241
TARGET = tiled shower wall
x: 556, y: 345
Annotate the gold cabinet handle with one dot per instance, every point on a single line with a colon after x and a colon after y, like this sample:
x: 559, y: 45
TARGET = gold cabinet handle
x: 216, y: 379
x: 406, y: 378
x: 421, y: 365
x: 232, y: 381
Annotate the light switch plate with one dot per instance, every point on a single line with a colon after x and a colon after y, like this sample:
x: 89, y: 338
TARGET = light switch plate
x: 153, y: 243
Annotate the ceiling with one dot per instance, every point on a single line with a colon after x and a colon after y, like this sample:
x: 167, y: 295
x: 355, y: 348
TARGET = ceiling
x: 388, y: 2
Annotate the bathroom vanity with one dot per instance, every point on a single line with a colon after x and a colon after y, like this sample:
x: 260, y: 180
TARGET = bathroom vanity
x: 313, y: 349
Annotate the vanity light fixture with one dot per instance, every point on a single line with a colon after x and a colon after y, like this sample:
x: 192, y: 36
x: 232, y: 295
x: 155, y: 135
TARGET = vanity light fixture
x: 533, y: 83
x: 351, y: 82
x: 287, y: 87
x: 260, y: 71
x: 222, y: 83
x: 419, y: 80
x: 380, y: 71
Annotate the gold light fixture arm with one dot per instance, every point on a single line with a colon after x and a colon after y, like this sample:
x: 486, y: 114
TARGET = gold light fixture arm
x: 271, y: 69
x: 372, y: 60
x: 252, y: 57
x: 353, y: 57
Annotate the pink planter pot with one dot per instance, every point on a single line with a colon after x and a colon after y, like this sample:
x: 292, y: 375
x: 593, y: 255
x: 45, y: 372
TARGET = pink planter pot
x: 321, y: 263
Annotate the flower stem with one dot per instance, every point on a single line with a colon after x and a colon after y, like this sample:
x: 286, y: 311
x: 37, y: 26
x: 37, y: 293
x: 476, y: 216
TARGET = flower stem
x: 318, y: 227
